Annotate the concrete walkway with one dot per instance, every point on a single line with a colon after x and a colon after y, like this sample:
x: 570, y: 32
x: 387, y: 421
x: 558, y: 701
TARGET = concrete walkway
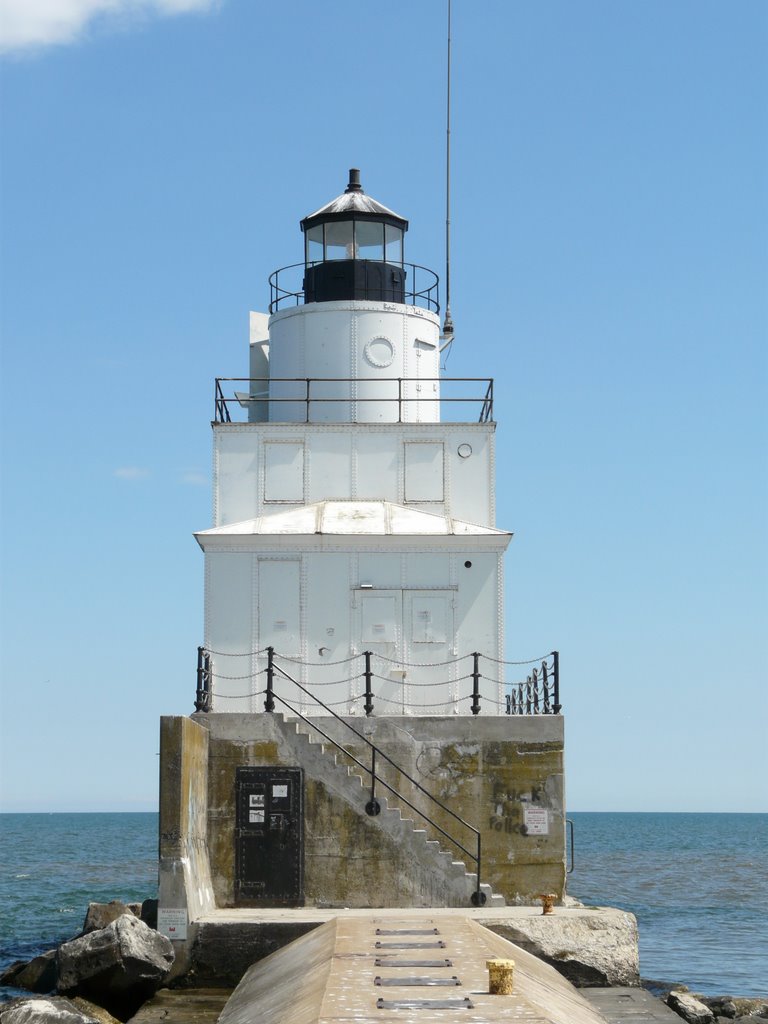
x: 629, y: 1006
x: 409, y: 967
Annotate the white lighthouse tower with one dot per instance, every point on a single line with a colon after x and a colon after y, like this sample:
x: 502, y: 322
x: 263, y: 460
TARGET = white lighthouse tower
x: 356, y: 742
x: 354, y: 501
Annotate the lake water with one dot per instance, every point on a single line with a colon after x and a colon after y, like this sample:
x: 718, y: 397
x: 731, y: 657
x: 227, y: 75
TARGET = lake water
x: 698, y: 884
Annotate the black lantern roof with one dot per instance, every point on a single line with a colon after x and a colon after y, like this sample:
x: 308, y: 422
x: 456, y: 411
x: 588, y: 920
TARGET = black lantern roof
x: 354, y: 204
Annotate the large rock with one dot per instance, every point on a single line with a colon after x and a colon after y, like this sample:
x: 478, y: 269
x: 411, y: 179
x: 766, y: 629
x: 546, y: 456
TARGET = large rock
x: 589, y: 948
x: 99, y: 915
x: 689, y: 1008
x: 119, y: 967
x: 37, y: 975
x: 53, y: 1010
x: 92, y: 1010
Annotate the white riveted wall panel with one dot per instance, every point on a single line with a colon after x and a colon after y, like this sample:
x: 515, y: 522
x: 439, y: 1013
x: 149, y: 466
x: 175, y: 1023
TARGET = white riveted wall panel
x: 380, y: 570
x: 330, y: 462
x: 229, y: 611
x: 235, y: 477
x: 378, y: 467
x: 280, y: 606
x: 423, y: 471
x: 328, y: 631
x: 283, y: 471
x: 427, y: 570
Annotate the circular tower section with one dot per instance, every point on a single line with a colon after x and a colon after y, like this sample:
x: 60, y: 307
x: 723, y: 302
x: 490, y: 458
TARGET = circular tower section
x: 359, y: 341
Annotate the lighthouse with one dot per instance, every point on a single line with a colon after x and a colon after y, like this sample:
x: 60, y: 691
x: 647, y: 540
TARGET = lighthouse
x: 358, y: 738
x: 354, y: 507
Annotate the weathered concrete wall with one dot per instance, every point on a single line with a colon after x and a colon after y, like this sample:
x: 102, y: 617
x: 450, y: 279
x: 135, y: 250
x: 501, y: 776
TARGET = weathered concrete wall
x: 488, y: 770
x: 351, y: 859
x: 493, y: 773
x: 185, y: 877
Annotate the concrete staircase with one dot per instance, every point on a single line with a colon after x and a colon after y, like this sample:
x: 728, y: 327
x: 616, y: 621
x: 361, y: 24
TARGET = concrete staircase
x: 351, y: 784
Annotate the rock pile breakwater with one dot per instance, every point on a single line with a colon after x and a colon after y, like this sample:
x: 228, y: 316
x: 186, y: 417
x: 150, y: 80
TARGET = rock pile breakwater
x: 699, y: 1009
x: 116, y: 963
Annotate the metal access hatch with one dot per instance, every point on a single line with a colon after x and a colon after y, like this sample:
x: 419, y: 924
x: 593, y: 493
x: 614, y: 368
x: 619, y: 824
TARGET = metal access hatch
x: 269, y: 837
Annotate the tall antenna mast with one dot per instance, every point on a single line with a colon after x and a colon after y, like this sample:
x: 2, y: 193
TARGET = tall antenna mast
x: 448, y: 322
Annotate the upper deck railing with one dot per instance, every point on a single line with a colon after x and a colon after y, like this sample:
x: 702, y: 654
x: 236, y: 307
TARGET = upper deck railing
x: 253, y: 402
x: 286, y: 286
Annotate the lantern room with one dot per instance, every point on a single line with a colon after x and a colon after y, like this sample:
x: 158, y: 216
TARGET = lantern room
x: 353, y: 249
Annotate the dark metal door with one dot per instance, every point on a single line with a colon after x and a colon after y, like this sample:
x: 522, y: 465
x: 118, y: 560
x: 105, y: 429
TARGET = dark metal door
x: 269, y: 837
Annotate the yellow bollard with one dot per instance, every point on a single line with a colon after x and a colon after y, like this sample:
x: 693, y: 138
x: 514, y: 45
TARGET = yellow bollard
x: 500, y: 977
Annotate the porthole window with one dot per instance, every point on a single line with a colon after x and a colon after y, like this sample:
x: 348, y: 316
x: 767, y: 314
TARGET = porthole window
x: 380, y: 352
x: 464, y: 450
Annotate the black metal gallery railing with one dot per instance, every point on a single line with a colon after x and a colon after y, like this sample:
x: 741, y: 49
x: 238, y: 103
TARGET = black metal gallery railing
x: 264, y: 398
x: 537, y: 694
x: 286, y: 286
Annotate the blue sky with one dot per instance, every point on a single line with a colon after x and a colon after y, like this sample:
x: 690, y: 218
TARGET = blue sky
x: 609, y: 271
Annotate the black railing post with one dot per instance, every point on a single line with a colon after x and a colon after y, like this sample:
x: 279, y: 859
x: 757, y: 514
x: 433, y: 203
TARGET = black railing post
x: 269, y: 703
x: 475, y: 684
x: 545, y: 688
x: 368, y: 691
x: 556, y: 674
x: 203, y: 695
x: 373, y: 807
x: 478, y: 897
x: 535, y: 691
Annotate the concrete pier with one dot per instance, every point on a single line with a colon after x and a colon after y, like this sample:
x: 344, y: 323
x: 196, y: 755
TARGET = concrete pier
x: 402, y: 966
x: 228, y: 941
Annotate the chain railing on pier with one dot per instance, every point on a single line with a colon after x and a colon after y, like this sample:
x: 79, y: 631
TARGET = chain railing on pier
x: 467, y: 678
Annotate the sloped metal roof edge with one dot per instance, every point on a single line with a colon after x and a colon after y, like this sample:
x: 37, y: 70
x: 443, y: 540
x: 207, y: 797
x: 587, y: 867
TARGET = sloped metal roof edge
x: 324, y: 518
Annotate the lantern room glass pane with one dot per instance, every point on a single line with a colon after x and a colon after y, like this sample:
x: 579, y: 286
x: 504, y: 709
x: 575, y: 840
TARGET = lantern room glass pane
x: 369, y: 240
x: 339, y: 240
x: 314, y: 244
x: 393, y: 243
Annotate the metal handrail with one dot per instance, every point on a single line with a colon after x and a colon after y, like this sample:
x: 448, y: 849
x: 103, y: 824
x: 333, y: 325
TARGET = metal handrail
x: 373, y: 807
x: 221, y: 402
x: 428, y: 295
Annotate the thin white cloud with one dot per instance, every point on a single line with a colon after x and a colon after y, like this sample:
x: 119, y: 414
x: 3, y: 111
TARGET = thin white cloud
x: 131, y: 473
x: 32, y: 24
x: 196, y: 478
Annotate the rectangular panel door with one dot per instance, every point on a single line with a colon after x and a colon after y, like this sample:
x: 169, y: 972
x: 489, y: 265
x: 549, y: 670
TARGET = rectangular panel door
x: 381, y: 631
x: 269, y: 837
x: 428, y: 628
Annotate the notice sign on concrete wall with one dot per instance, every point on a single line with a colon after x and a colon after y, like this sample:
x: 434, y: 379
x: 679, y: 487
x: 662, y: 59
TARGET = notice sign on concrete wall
x: 536, y: 820
x: 172, y: 922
